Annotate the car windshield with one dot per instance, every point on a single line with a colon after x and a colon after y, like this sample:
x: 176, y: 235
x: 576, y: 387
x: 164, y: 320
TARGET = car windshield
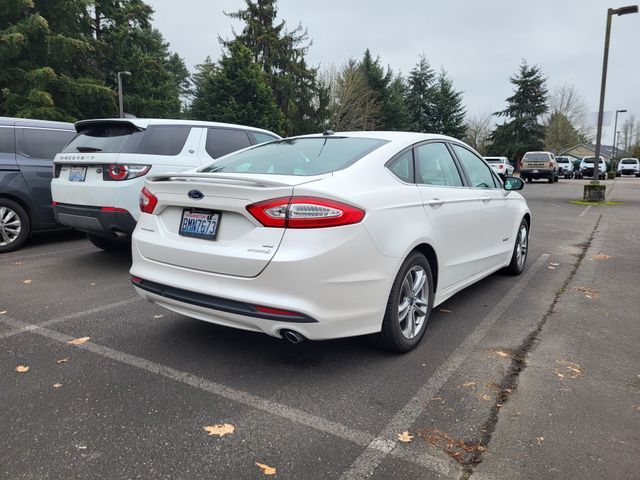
x: 298, y: 156
x: 630, y: 161
x: 536, y: 157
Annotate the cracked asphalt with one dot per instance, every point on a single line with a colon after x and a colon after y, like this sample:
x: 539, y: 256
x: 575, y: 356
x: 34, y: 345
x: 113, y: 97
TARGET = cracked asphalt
x: 477, y: 394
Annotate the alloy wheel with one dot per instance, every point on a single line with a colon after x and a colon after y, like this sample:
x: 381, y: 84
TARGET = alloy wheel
x: 10, y: 226
x: 413, y: 302
x: 521, y: 247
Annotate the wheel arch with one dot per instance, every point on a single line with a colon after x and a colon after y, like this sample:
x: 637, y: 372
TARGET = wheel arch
x: 25, y: 205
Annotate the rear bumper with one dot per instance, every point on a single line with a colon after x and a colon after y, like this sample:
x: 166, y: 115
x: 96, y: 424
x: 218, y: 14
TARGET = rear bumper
x: 628, y: 171
x: 95, y: 220
x: 341, y: 288
x: 536, y: 172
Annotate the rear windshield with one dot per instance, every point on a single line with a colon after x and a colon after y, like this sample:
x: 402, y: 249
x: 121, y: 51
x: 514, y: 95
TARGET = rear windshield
x: 540, y: 157
x: 493, y: 160
x: 591, y: 159
x: 110, y: 138
x: 298, y: 156
x: 562, y: 160
x: 631, y: 160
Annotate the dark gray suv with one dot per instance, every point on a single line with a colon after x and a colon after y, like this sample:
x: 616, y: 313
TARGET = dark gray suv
x: 27, y: 148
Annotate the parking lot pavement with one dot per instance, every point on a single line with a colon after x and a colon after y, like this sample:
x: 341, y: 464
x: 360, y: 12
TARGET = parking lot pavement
x: 134, y: 400
x: 576, y: 411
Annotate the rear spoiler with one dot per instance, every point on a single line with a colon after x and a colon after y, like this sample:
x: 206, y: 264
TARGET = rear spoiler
x: 86, y: 124
x: 205, y: 177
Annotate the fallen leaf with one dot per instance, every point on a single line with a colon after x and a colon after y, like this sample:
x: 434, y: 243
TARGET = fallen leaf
x: 572, y: 369
x: 554, y: 264
x: 457, y: 449
x: 498, y: 353
x: 3, y: 312
x: 266, y: 469
x: 551, y: 268
x: 405, y: 437
x: 22, y: 369
x: 444, y: 310
x: 158, y: 316
x: 62, y: 360
x: 18, y: 263
x: 27, y: 282
x: 602, y: 256
x: 481, y: 448
x: 79, y: 341
x: 540, y: 440
x: 93, y: 284
x: 637, y: 407
x: 469, y: 384
x: 57, y: 385
x: 221, y: 429
x: 485, y: 397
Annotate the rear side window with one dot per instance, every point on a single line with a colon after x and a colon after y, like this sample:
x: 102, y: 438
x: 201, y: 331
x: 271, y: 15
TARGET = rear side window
x: 402, y: 166
x: 263, y: 137
x: 480, y: 175
x: 107, y: 138
x: 435, y: 166
x: 221, y: 141
x: 41, y: 143
x: 161, y: 140
x: 298, y: 156
x: 7, y: 144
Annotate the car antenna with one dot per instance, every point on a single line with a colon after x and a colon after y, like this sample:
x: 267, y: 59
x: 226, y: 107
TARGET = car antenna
x: 328, y: 132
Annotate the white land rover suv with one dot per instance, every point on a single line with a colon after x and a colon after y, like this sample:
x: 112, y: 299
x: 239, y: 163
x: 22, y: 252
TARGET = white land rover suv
x: 100, y: 173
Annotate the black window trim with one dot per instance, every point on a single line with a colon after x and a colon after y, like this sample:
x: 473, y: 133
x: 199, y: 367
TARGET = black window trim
x: 254, y: 140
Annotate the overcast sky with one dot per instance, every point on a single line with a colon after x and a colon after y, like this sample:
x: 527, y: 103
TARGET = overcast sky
x: 480, y: 43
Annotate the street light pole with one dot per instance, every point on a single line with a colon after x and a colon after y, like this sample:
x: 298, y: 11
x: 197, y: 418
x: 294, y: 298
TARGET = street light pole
x: 615, y: 132
x: 120, y: 102
x: 610, y: 13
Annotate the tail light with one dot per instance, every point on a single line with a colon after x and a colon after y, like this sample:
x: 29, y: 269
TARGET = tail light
x: 148, y: 201
x: 304, y: 212
x: 501, y: 166
x: 117, y: 173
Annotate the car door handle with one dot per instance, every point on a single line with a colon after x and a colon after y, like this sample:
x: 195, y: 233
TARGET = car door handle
x: 435, y: 202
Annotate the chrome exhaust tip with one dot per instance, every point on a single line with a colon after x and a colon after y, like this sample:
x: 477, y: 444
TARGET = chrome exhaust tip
x: 292, y: 337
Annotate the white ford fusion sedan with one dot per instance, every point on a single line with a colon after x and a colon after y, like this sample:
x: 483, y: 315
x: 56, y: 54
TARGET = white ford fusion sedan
x: 329, y: 235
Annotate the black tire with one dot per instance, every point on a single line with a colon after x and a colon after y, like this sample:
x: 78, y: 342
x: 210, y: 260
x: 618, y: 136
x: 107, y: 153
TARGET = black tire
x: 556, y: 178
x: 108, y: 244
x: 550, y: 179
x: 16, y: 218
x: 528, y: 179
x: 391, y: 337
x: 517, y: 265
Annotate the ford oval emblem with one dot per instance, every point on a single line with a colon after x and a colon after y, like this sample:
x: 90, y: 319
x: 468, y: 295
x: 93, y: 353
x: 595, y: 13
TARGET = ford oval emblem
x: 195, y: 194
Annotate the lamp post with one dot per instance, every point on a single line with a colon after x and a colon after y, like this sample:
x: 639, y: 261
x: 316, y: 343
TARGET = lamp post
x: 615, y: 132
x: 120, y: 106
x: 610, y: 12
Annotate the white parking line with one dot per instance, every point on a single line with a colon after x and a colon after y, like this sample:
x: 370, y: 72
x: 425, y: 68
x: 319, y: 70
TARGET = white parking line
x: 45, y: 254
x: 366, y: 464
x: 585, y: 211
x: 295, y: 415
x: 64, y: 318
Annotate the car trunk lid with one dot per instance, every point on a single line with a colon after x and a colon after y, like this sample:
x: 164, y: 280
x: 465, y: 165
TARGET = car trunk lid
x: 241, y: 247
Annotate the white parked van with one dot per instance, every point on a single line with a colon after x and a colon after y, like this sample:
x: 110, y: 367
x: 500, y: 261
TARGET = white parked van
x: 99, y: 174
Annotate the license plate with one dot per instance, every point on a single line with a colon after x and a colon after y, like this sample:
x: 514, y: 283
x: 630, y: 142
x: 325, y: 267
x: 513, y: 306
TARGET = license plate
x: 199, y: 223
x: 77, y: 174
x: 535, y: 171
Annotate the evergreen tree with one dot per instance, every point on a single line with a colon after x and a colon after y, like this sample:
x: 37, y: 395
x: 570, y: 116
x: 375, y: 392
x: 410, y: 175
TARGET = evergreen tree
x: 47, y: 66
x: 281, y: 55
x: 235, y: 91
x: 521, y: 130
x: 395, y: 111
x: 127, y: 42
x: 448, y: 112
x: 420, y: 97
x: 560, y: 133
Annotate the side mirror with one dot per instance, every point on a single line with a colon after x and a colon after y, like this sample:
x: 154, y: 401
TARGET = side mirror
x: 513, y: 183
